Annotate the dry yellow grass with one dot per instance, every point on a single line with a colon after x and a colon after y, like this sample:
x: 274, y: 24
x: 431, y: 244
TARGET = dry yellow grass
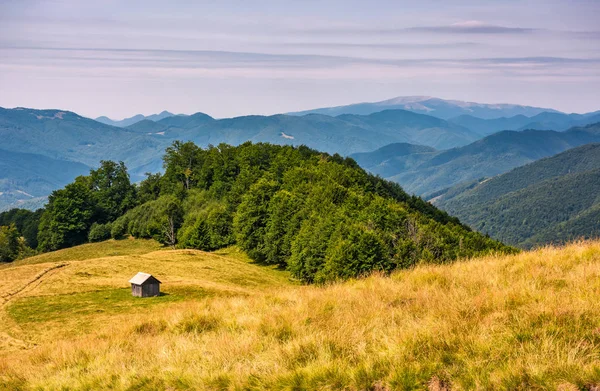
x: 529, y: 321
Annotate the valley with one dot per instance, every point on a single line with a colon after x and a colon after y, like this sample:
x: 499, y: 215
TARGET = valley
x: 551, y: 200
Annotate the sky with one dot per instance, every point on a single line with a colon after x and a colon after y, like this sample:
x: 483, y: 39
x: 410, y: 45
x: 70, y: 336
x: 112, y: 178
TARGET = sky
x: 229, y: 58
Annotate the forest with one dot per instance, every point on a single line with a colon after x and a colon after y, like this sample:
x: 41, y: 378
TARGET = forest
x: 319, y: 216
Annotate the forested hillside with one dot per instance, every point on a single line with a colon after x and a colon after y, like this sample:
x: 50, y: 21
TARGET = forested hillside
x: 427, y: 172
x: 320, y: 216
x: 552, y: 200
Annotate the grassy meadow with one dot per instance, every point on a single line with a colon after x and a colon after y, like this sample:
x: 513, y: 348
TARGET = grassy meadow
x: 519, y: 322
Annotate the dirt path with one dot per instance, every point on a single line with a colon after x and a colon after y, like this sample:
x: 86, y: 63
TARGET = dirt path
x: 5, y: 298
x: 11, y: 335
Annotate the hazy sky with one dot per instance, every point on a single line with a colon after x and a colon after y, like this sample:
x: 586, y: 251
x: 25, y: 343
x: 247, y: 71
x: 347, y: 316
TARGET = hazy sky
x: 227, y: 58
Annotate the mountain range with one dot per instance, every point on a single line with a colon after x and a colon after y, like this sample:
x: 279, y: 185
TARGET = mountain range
x: 425, y: 171
x: 68, y: 137
x: 554, y: 199
x: 436, y: 107
x: 65, y: 135
x: 132, y: 120
x: 467, y: 114
x: 542, y: 121
x: 42, y: 150
x: 343, y: 134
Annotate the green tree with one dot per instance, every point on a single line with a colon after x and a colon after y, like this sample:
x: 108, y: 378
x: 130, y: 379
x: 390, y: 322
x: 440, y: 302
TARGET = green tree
x: 9, y: 243
x: 159, y: 219
x: 208, y: 227
x: 251, y: 219
x: 26, y: 221
x: 181, y: 161
x: 68, y: 216
x: 285, y: 215
x: 149, y: 188
x: 171, y: 217
x: 113, y: 192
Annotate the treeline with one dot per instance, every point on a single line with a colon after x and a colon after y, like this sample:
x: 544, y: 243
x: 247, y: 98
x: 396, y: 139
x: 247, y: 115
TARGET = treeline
x: 320, y: 216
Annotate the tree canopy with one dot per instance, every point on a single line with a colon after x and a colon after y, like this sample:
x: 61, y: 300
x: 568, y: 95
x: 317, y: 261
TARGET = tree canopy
x: 320, y: 216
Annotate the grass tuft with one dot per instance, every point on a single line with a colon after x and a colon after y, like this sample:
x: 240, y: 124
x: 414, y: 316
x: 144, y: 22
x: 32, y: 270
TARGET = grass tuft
x: 198, y: 324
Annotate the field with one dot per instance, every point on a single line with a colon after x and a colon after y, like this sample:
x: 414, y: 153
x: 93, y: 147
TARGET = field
x: 69, y: 322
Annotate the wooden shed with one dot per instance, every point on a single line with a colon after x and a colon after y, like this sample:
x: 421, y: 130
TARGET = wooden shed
x: 144, y: 285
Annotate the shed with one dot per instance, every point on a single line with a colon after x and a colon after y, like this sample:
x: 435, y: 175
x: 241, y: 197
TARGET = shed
x: 144, y: 285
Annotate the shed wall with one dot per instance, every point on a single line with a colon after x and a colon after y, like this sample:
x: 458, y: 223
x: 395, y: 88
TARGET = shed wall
x: 149, y: 290
x: 136, y: 290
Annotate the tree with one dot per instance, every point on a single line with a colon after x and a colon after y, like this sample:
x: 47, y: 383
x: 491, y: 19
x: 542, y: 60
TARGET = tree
x: 284, y: 221
x: 180, y: 163
x: 149, y: 189
x: 171, y: 220
x: 354, y: 251
x: 68, y: 216
x: 113, y: 192
x: 9, y: 243
x: 26, y: 221
x: 207, y: 227
x: 251, y: 219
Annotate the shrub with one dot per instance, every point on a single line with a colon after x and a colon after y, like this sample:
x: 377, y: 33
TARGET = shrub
x: 99, y: 232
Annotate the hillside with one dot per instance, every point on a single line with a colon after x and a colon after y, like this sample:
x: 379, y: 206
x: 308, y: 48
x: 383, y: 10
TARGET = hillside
x: 551, y: 200
x: 393, y: 158
x: 542, y: 121
x: 436, y: 107
x: 425, y: 173
x: 26, y: 177
x: 527, y: 321
x: 415, y: 128
x: 65, y: 135
x: 320, y: 217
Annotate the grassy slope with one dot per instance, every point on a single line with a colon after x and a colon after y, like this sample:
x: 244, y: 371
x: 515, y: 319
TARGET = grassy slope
x: 529, y: 321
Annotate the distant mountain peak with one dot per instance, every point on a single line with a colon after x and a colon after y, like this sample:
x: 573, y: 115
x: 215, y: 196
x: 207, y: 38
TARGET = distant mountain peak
x: 405, y: 99
x: 135, y: 119
x: 437, y: 107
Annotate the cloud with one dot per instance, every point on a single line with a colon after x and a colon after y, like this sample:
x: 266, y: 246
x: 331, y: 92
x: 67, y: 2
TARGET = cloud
x: 209, y: 59
x: 474, y: 27
x: 466, y: 27
x: 377, y: 45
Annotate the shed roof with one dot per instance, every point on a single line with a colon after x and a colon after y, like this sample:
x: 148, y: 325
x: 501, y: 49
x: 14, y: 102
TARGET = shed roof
x: 141, y: 278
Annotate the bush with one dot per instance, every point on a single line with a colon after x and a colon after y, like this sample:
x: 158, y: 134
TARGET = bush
x: 159, y: 219
x: 99, y: 232
x: 119, y: 228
